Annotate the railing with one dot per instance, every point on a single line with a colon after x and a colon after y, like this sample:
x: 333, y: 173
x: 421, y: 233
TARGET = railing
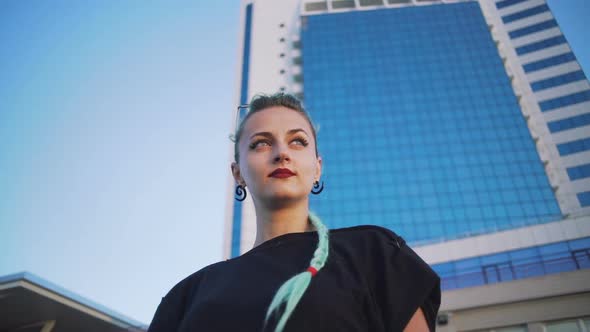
x: 514, y: 270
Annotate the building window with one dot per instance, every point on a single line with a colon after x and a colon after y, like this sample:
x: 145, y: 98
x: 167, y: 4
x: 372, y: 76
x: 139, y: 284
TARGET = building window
x: 371, y: 2
x: 584, y: 198
x: 558, y: 80
x: 570, y: 325
x: 498, y: 272
x: 520, y: 328
x: 532, y: 29
x: 525, y: 13
x: 581, y: 258
x: 343, y: 4
x: 506, y: 3
x: 549, y: 62
x: 316, y: 6
x: 579, y: 172
x: 536, y: 46
x: 569, y: 123
x: 567, y: 100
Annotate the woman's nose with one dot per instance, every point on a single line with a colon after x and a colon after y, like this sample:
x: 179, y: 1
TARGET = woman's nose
x: 282, y: 154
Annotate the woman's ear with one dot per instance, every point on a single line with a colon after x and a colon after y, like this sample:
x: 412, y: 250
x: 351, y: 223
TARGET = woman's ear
x: 318, y: 172
x: 235, y: 171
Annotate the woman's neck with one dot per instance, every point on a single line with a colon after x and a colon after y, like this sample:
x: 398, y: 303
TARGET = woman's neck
x: 276, y: 222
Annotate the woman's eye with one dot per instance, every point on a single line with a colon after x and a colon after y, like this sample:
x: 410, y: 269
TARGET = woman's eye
x: 259, y: 144
x: 300, y: 141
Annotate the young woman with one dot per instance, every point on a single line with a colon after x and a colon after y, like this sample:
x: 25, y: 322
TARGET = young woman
x: 299, y: 276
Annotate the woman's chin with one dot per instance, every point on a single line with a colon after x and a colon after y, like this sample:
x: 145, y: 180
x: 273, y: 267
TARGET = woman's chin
x: 285, y: 196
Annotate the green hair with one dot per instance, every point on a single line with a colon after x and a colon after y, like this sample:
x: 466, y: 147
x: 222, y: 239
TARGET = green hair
x: 293, y: 289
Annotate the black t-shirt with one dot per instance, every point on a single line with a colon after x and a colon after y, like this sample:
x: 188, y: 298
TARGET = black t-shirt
x: 371, y: 281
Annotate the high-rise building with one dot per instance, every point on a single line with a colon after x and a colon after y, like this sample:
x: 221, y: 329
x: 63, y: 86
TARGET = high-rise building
x: 462, y: 125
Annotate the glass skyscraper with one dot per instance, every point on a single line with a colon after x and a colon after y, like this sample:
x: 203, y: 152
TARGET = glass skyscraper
x: 421, y: 131
x: 461, y: 125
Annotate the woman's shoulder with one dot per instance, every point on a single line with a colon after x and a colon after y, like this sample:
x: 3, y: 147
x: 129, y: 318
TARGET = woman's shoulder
x: 410, y: 282
x: 190, y: 283
x: 367, y: 233
x: 375, y: 246
x: 174, y: 304
x: 362, y: 229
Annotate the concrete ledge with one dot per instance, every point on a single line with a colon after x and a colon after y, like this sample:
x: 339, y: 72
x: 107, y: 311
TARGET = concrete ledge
x: 567, y: 283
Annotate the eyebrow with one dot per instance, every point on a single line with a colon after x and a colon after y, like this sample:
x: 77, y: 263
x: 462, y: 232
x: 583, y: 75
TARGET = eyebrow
x: 268, y: 134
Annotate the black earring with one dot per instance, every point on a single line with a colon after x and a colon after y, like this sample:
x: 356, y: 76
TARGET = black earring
x: 317, y: 188
x: 240, y: 193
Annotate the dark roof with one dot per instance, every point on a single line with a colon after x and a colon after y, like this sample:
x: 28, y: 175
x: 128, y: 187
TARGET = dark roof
x: 28, y: 302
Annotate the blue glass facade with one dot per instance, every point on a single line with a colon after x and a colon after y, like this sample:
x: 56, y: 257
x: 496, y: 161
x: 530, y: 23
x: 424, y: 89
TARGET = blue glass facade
x: 516, y: 264
x: 420, y: 130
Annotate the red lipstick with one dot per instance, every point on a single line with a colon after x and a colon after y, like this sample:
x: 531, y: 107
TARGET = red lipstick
x: 281, y: 173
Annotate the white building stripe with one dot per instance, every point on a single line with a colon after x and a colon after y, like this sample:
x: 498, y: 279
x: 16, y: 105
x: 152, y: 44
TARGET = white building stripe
x: 553, y: 71
x: 520, y: 7
x: 535, y: 37
x: 567, y: 112
x: 581, y: 185
x: 571, y: 135
x: 527, y: 21
x: 544, y: 53
x: 576, y: 159
x: 562, y: 90
x: 525, y: 237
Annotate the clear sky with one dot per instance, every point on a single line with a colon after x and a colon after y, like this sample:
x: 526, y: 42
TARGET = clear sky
x: 114, y: 150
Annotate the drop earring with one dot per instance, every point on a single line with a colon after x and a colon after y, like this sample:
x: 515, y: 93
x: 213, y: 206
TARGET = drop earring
x: 317, y: 188
x: 240, y: 193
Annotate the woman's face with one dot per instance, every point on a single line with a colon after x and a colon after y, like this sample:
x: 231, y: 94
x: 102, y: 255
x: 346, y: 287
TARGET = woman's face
x: 277, y: 161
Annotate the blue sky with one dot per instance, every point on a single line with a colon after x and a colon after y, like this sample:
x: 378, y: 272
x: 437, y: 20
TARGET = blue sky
x: 114, y: 150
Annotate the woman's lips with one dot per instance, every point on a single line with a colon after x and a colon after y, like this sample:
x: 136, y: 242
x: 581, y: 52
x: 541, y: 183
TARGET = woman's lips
x: 281, y: 173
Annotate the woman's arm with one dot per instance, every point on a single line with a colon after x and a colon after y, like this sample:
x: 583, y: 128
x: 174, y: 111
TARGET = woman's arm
x: 417, y: 323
